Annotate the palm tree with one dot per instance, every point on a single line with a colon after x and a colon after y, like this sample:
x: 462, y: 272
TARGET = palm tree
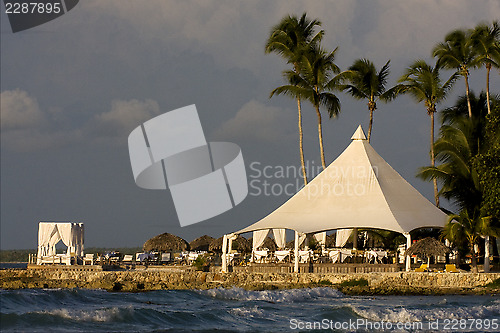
x: 460, y: 109
x: 423, y: 83
x: 290, y: 38
x: 471, y: 227
x: 366, y: 83
x: 456, y: 147
x: 486, y: 43
x: 313, y: 83
x: 456, y: 52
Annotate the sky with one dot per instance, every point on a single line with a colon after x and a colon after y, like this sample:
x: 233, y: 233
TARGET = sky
x: 74, y: 88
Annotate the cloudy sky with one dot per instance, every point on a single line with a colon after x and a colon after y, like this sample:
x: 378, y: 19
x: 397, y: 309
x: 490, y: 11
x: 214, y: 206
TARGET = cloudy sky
x: 74, y: 88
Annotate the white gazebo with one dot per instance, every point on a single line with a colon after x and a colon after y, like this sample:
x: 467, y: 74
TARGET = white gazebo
x: 50, y: 233
x: 357, y: 190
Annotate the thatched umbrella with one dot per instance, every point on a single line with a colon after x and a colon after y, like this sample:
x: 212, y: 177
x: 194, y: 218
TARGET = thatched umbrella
x: 201, y: 243
x: 240, y: 244
x: 269, y: 243
x: 426, y: 248
x: 166, y: 242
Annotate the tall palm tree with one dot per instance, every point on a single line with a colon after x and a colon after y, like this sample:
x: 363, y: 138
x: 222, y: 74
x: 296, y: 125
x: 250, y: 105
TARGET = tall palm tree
x: 468, y: 226
x: 364, y: 82
x: 456, y: 148
x: 458, y: 145
x: 456, y: 52
x: 290, y: 38
x: 313, y: 83
x: 423, y: 83
x: 460, y: 109
x: 486, y: 43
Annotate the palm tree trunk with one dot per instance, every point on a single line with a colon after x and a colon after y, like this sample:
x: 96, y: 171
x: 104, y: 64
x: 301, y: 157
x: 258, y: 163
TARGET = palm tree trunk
x: 467, y: 93
x: 486, y: 254
x: 370, y: 125
x: 320, y: 135
x: 433, y: 159
x: 473, y: 259
x: 304, y: 174
x: 488, y: 68
x: 372, y: 106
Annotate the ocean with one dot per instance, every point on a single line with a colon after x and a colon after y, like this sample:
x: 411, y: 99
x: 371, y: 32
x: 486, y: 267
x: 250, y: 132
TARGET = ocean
x: 239, y: 310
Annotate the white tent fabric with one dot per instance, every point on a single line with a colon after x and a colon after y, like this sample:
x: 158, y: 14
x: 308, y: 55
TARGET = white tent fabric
x: 320, y: 237
x: 301, y: 238
x: 50, y: 233
x: 359, y: 189
x: 258, y: 238
x: 342, y: 236
x: 280, y: 238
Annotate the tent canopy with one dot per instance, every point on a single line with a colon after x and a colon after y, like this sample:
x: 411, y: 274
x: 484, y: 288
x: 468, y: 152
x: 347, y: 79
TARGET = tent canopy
x: 50, y: 233
x: 357, y: 190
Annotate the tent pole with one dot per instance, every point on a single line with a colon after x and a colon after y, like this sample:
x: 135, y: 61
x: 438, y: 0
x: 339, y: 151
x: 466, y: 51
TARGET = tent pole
x: 408, y: 244
x: 296, y: 253
x: 224, y: 261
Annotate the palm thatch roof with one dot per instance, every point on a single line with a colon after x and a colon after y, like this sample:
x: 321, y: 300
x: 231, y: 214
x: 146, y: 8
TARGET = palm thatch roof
x: 240, y: 244
x: 166, y: 242
x: 201, y: 243
x: 427, y: 247
x: 269, y: 243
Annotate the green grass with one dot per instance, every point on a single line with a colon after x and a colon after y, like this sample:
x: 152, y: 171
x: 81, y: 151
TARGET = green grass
x: 324, y: 283
x: 353, y: 283
x: 494, y: 285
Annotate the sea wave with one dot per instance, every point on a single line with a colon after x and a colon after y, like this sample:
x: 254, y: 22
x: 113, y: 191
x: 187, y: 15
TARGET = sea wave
x: 439, y: 310
x: 95, y: 315
x: 221, y: 310
x: 273, y: 296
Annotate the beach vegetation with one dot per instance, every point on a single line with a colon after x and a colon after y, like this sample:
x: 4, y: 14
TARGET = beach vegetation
x: 290, y: 38
x: 201, y: 264
x: 365, y: 82
x: 354, y: 283
x: 457, y: 52
x: 325, y: 283
x: 495, y: 284
x: 485, y: 44
x: 423, y: 82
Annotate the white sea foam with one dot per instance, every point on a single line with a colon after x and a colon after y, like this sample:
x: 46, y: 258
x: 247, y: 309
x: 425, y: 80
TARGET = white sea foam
x: 276, y: 296
x: 247, y: 312
x: 95, y: 315
x: 404, y: 314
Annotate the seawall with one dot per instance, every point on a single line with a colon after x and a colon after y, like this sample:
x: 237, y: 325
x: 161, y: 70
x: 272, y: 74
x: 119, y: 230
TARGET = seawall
x: 156, y: 279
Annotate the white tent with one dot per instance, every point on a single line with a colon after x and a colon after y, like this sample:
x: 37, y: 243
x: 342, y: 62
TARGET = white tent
x: 359, y: 189
x: 50, y: 233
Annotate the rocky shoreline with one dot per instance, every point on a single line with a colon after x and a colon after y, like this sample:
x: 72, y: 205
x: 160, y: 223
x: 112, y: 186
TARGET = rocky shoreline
x: 397, y: 283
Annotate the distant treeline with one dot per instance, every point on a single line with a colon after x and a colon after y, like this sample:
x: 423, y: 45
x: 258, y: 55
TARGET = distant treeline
x: 22, y: 255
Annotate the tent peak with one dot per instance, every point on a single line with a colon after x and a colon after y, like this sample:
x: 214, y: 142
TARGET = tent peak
x: 359, y: 134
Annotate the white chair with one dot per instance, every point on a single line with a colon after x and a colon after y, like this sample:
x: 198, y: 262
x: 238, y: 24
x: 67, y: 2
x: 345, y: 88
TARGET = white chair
x: 192, y: 256
x: 260, y: 255
x: 165, y: 257
x: 128, y: 258
x: 304, y: 255
x: 89, y: 258
x: 51, y: 259
x: 140, y: 257
x: 281, y: 255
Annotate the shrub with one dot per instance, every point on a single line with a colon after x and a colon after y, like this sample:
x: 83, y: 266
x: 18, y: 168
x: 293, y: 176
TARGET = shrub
x: 352, y: 283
